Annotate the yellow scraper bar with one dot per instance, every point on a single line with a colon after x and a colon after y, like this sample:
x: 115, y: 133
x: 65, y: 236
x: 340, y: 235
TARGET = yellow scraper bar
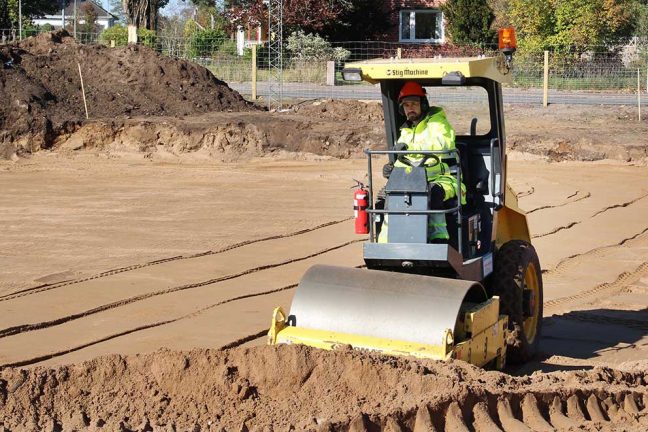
x: 483, y: 331
x: 377, y: 70
x: 280, y: 333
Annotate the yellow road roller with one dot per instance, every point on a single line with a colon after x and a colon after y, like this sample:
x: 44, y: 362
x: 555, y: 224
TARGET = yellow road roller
x: 475, y: 296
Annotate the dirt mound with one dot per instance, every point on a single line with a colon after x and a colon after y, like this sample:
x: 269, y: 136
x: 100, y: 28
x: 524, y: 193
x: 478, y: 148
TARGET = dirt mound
x: 298, y: 388
x: 225, y: 137
x: 40, y: 87
x: 577, y: 133
x: 344, y: 110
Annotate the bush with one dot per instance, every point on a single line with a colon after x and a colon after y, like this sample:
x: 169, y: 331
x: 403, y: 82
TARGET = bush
x: 313, y: 47
x: 227, y: 49
x: 263, y: 55
x: 469, y: 21
x: 204, y: 43
x: 119, y: 34
x: 430, y: 51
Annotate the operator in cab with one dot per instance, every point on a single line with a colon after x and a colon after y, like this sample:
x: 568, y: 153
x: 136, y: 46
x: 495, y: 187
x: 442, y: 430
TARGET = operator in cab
x: 426, y: 128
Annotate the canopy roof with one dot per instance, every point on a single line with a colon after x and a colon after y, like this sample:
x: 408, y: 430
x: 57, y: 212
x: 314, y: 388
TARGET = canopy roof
x: 377, y: 70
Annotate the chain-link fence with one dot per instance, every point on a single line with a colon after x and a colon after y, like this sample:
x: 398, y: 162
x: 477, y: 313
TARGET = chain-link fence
x: 82, y: 35
x: 612, y: 72
x: 312, y: 69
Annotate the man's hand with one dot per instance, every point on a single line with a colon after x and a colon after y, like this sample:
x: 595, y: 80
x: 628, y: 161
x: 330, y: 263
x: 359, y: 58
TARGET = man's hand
x: 387, y: 169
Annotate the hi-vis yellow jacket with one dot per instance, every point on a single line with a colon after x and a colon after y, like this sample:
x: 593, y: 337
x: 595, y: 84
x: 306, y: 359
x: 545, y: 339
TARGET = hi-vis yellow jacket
x: 432, y: 133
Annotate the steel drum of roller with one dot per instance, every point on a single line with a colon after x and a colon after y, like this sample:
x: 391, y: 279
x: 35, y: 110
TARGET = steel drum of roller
x: 382, y: 304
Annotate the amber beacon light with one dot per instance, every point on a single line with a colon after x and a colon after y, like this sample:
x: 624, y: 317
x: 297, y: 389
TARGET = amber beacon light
x: 507, y: 40
x: 507, y: 43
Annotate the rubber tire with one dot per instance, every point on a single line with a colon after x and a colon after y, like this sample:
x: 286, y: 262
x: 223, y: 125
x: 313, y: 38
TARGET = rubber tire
x: 511, y: 263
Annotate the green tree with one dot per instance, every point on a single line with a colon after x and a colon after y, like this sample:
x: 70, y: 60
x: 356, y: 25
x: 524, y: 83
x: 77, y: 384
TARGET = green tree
x: 572, y: 24
x: 117, y: 9
x: 202, y: 42
x: 30, y: 9
x: 119, y: 34
x: 88, y: 16
x: 306, y: 15
x: 204, y: 3
x: 581, y: 23
x: 500, y: 9
x: 534, y: 22
x: 641, y: 23
x: 359, y: 20
x: 5, y: 23
x: 143, y: 13
x: 146, y: 13
x: 469, y: 21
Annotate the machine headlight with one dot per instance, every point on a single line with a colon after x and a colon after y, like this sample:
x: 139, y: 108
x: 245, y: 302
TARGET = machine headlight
x: 352, y: 74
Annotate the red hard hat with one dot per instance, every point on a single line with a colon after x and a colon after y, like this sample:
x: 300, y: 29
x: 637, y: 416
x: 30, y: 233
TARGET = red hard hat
x: 411, y: 88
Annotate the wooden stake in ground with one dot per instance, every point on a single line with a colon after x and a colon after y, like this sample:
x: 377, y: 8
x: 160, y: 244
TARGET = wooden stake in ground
x: 545, y: 84
x: 639, y: 92
x: 254, y: 72
x: 85, y: 103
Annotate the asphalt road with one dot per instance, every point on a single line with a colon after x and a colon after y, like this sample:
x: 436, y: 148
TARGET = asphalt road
x: 449, y: 95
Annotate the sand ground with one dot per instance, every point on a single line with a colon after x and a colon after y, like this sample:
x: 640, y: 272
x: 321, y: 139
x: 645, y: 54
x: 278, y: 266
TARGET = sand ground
x: 166, y: 228
x: 121, y: 251
x: 143, y: 250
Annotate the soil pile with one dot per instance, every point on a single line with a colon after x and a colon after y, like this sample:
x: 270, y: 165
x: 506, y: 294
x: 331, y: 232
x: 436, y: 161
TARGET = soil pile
x: 41, y: 97
x: 343, y: 110
x: 225, y: 137
x: 297, y: 388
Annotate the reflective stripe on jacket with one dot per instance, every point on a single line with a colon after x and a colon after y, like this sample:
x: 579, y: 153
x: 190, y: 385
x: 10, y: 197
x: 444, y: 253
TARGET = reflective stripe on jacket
x: 432, y: 133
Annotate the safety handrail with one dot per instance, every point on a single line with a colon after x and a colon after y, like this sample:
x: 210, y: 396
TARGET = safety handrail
x: 457, y: 209
x: 495, y: 170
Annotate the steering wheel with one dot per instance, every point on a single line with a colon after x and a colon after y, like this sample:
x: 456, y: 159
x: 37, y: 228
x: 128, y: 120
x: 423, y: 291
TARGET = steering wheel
x: 422, y: 162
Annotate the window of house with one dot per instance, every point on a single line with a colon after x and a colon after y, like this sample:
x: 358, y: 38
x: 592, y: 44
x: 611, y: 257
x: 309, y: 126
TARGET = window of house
x: 421, y: 26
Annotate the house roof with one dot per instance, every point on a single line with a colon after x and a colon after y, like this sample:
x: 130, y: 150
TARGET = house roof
x: 69, y: 10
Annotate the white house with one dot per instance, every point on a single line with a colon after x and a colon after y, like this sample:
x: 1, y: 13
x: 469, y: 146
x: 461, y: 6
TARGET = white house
x: 104, y: 18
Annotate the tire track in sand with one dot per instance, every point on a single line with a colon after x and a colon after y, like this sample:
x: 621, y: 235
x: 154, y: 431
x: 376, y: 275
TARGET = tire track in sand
x: 575, y: 223
x: 560, y: 408
x: 81, y: 298
x: 14, y: 330
x: 46, y: 287
x: 49, y: 356
x: 576, y: 259
x: 623, y: 280
x: 568, y: 200
x: 215, y: 329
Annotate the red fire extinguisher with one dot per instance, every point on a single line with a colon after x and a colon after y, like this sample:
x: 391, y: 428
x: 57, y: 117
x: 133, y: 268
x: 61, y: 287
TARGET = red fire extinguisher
x: 360, y: 209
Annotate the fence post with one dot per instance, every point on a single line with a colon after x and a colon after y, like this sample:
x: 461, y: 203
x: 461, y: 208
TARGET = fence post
x: 330, y: 73
x: 398, y: 53
x: 545, y: 93
x: 254, y: 72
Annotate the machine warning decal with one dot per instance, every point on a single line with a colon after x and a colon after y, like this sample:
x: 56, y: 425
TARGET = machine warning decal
x: 487, y: 263
x: 407, y: 72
